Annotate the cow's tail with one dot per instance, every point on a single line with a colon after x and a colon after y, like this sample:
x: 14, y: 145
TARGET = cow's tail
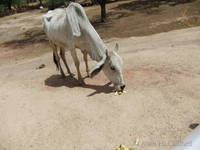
x: 55, y: 61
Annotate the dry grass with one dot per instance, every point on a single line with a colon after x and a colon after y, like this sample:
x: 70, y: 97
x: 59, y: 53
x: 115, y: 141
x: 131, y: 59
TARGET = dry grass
x: 133, y: 18
x: 22, y: 33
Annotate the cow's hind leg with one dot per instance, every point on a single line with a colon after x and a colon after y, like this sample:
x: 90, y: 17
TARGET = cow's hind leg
x: 62, y: 55
x: 56, y: 59
x: 77, y: 64
x: 86, y: 61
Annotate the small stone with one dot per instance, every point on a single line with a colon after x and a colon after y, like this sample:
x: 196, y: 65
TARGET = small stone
x: 41, y: 66
x: 193, y: 125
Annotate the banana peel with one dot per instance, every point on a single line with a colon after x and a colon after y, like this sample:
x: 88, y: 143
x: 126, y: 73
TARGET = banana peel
x: 119, y: 92
x: 123, y: 147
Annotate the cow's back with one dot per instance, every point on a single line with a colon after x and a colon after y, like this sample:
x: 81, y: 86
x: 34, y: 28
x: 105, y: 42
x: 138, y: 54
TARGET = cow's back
x: 57, y: 27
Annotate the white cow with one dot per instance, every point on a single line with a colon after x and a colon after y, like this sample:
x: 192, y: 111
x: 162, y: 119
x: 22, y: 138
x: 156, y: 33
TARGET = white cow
x: 69, y: 28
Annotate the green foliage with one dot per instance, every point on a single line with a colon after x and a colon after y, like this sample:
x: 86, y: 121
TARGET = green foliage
x: 18, y: 2
x: 9, y: 6
x: 2, y: 8
x: 55, y: 3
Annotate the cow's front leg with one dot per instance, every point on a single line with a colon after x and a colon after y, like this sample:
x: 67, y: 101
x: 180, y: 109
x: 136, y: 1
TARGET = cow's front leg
x: 86, y: 61
x: 62, y: 54
x: 77, y: 64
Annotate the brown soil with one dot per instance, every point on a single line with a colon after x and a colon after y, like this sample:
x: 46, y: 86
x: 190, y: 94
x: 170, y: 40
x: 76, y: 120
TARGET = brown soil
x: 22, y: 33
x: 40, y: 110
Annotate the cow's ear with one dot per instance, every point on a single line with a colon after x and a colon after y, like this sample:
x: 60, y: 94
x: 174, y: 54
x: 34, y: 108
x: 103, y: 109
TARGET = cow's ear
x: 98, y: 67
x: 116, y: 47
x: 95, y: 71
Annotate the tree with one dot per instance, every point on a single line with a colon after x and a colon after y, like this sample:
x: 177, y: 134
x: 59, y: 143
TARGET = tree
x: 9, y: 4
x: 102, y: 4
x: 40, y: 2
x: 52, y: 4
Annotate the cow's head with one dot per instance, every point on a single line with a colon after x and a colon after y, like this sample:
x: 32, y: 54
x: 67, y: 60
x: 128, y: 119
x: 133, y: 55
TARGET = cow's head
x: 111, y: 64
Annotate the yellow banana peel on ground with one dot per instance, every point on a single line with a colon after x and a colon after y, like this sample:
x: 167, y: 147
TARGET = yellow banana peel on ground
x: 119, y: 92
x: 123, y: 147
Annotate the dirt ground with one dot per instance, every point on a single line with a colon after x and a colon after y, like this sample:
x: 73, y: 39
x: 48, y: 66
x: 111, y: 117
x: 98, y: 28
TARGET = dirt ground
x: 41, y: 110
x: 22, y: 35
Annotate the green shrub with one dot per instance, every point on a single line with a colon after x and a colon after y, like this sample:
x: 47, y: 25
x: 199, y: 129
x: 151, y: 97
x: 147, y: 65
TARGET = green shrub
x: 18, y: 2
x: 51, y: 4
x: 2, y: 7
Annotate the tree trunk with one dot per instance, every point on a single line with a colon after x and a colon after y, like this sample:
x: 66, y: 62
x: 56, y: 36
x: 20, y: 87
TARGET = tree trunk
x: 103, y: 11
x: 102, y: 4
x: 41, y: 3
x: 9, y: 4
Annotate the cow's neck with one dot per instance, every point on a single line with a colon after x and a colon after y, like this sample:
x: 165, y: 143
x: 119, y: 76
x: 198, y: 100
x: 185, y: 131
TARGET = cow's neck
x: 97, y: 48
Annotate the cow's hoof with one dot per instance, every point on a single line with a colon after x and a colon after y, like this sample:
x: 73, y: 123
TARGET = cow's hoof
x: 71, y: 75
x: 88, y: 75
x: 63, y: 75
x: 81, y: 82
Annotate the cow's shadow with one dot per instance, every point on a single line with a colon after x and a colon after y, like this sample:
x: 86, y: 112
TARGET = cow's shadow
x: 71, y: 82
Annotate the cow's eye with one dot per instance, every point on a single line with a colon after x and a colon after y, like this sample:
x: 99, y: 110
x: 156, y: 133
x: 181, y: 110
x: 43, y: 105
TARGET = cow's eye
x: 112, y: 68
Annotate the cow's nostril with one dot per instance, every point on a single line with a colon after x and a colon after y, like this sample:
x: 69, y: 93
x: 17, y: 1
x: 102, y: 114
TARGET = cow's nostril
x: 123, y: 86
